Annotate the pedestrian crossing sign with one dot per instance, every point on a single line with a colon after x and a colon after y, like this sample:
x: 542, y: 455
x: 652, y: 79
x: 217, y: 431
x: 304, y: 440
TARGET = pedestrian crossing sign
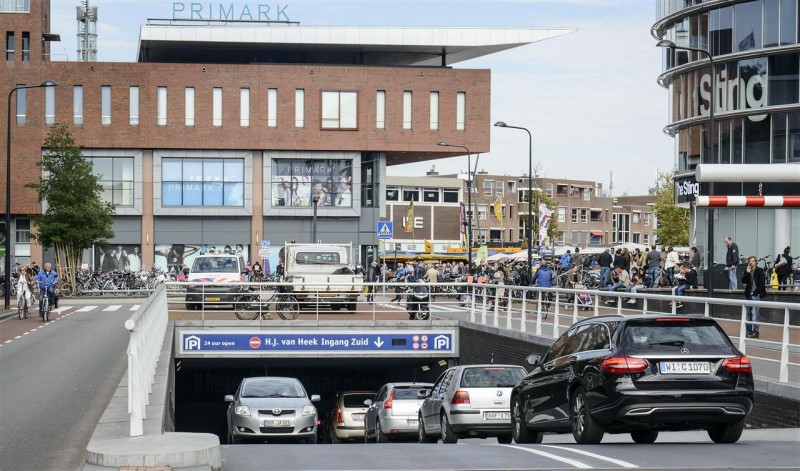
x: 385, y: 229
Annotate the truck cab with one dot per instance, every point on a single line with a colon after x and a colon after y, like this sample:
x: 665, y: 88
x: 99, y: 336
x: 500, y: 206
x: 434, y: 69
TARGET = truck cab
x: 216, y: 279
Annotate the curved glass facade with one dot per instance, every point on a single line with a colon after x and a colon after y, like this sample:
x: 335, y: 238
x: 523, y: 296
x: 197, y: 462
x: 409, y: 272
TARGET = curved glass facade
x: 755, y: 91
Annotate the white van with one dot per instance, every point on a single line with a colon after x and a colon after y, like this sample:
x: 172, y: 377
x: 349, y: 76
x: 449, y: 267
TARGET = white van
x: 217, y: 277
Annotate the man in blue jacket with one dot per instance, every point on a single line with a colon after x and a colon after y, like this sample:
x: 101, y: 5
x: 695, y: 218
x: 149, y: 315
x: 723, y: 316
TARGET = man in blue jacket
x: 543, y: 278
x: 47, y: 280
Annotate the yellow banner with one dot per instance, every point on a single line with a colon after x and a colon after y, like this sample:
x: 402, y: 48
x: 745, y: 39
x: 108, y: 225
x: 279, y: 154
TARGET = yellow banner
x: 409, y: 222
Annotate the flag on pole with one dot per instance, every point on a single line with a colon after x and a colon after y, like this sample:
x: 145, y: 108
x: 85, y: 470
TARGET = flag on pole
x: 498, y: 210
x: 545, y: 214
x: 428, y: 246
x: 408, y: 223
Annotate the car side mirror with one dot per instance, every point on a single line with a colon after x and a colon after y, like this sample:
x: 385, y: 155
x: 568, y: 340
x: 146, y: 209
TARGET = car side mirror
x: 423, y: 393
x: 228, y: 398
x: 368, y: 402
x: 315, y: 398
x: 534, y: 359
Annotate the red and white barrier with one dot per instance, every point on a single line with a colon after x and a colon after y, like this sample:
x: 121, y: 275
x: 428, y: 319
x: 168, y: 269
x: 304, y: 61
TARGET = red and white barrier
x: 749, y: 201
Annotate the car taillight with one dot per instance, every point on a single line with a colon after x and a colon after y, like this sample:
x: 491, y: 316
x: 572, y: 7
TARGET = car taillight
x: 461, y: 397
x: 387, y: 404
x: 339, y: 418
x: 621, y: 365
x: 738, y: 364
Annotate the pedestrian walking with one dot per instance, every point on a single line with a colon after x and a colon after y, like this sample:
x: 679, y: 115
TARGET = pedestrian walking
x: 731, y: 262
x: 754, y: 281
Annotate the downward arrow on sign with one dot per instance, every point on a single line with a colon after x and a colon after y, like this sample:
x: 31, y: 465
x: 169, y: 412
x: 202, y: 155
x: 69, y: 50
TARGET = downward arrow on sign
x: 378, y: 343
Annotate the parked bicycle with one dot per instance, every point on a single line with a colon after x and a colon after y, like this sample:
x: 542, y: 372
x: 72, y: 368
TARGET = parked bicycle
x: 257, y: 301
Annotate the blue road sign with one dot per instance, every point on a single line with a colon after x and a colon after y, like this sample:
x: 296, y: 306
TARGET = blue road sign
x: 265, y: 244
x: 384, y: 229
x: 259, y: 342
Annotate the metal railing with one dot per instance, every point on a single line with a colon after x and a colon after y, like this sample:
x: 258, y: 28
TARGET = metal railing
x: 147, y: 326
x: 545, y: 312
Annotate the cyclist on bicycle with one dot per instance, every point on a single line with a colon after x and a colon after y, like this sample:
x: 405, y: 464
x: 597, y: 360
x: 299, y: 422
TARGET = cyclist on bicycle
x: 24, y: 286
x: 47, y: 280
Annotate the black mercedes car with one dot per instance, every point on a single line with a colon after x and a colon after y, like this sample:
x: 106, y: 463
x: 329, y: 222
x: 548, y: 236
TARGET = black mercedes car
x: 637, y: 375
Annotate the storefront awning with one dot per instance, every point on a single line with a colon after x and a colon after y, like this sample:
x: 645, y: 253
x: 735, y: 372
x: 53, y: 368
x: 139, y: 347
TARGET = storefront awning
x: 596, y: 233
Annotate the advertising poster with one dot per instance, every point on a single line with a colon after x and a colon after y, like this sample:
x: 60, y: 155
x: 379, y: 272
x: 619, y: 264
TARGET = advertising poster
x: 298, y: 182
x: 172, y: 257
x: 118, y: 257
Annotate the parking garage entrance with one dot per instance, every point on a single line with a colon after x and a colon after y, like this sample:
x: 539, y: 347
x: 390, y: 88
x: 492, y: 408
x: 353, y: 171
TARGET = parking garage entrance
x: 211, y: 363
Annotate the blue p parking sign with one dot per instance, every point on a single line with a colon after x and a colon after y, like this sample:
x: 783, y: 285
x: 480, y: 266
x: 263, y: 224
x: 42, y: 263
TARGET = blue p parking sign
x: 384, y: 229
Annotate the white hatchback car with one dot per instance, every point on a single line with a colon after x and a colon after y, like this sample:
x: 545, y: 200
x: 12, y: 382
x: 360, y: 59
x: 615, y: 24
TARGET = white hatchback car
x: 394, y: 411
x: 469, y: 401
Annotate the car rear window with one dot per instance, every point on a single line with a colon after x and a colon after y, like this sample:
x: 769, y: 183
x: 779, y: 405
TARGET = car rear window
x: 215, y: 265
x: 670, y: 335
x: 408, y: 392
x: 492, y: 377
x: 317, y: 258
x: 356, y: 400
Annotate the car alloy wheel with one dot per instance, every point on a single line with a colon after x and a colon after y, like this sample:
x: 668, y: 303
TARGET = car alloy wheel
x: 380, y: 437
x: 519, y: 431
x: 422, y: 435
x: 584, y: 428
x: 448, y: 434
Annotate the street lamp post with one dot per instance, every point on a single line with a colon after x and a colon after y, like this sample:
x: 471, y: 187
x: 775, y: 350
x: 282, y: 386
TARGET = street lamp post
x: 666, y: 43
x: 314, y: 221
x: 528, y: 230
x: 469, y: 203
x: 7, y: 283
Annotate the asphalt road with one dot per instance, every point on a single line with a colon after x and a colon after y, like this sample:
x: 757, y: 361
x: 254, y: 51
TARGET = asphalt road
x: 55, y: 382
x: 758, y: 449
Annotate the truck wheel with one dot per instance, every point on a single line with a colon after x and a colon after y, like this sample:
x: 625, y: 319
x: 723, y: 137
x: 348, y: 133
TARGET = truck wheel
x: 351, y: 307
x: 335, y: 307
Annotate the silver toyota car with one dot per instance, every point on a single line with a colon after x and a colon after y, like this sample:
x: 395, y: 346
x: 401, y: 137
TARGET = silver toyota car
x: 271, y: 407
x: 469, y: 401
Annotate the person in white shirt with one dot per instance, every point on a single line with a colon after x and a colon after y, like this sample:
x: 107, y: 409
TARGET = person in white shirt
x: 670, y: 263
x: 24, y: 286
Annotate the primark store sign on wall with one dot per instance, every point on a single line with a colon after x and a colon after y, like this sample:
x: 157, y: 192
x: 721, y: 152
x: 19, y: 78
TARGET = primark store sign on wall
x: 228, y: 11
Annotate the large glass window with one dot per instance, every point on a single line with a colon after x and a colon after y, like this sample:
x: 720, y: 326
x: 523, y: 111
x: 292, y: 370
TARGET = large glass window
x: 370, y: 162
x: 748, y: 26
x: 272, y: 107
x: 783, y: 79
x: 105, y: 105
x: 15, y: 6
x: 77, y: 104
x: 380, y: 109
x: 22, y: 105
x: 771, y: 23
x: 736, y: 143
x: 410, y: 194
x: 298, y: 182
x: 788, y: 22
x: 202, y: 182
x: 116, y: 178
x: 488, y: 186
x: 753, y: 83
x: 794, y: 136
x: 50, y: 105
x: 392, y: 194
x: 23, y: 230
x: 779, y: 138
x: 339, y: 110
x: 622, y: 228
x: 450, y: 196
x: 406, y: 109
x: 430, y: 195
x: 161, y: 106
x: 188, y: 107
x: 216, y: 106
x: 722, y: 30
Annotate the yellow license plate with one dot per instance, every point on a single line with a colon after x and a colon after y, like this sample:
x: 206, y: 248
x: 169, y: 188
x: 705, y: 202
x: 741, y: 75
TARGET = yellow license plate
x: 213, y: 298
x: 327, y: 295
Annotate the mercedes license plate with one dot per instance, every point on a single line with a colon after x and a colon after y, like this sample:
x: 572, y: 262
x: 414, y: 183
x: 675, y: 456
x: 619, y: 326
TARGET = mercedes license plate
x: 497, y: 415
x: 358, y: 417
x: 212, y: 298
x: 277, y: 423
x: 685, y: 367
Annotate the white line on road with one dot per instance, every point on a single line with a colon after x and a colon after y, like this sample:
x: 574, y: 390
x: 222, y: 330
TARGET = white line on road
x: 28, y: 332
x: 135, y: 307
x: 17, y: 337
x: 545, y: 454
x: 113, y: 307
x: 624, y: 464
x: 86, y: 309
x: 8, y: 341
x: 60, y: 309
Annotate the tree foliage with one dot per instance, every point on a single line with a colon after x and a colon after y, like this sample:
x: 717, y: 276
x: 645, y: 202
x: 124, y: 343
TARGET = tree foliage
x: 75, y: 217
x: 673, y: 222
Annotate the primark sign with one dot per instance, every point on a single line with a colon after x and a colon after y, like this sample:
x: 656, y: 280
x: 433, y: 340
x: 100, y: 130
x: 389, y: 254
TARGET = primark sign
x: 228, y: 11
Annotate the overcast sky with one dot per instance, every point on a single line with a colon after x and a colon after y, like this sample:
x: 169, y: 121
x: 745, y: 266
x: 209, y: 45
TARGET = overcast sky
x: 590, y: 97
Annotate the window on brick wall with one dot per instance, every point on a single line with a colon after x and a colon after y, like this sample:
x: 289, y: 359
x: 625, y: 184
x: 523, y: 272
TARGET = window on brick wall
x: 189, y: 106
x: 461, y: 111
x: 50, y: 105
x: 133, y: 111
x: 216, y: 106
x: 26, y: 46
x: 22, y: 97
x: 161, y: 106
x: 77, y: 104
x: 434, y: 110
x: 339, y: 110
x: 272, y: 107
x: 105, y: 105
x: 10, y: 45
x: 406, y: 109
x: 244, y: 107
x: 299, y: 108
x: 380, y: 109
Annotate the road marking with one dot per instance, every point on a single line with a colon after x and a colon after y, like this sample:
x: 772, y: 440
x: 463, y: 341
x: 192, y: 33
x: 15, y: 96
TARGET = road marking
x: 60, y: 309
x: 113, y: 307
x: 8, y: 341
x: 28, y: 332
x: 135, y: 307
x: 545, y: 454
x: 86, y: 309
x: 17, y: 337
x: 624, y: 464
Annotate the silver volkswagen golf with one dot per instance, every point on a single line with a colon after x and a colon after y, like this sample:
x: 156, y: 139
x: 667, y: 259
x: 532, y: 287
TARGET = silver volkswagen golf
x: 469, y: 401
x: 269, y: 407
